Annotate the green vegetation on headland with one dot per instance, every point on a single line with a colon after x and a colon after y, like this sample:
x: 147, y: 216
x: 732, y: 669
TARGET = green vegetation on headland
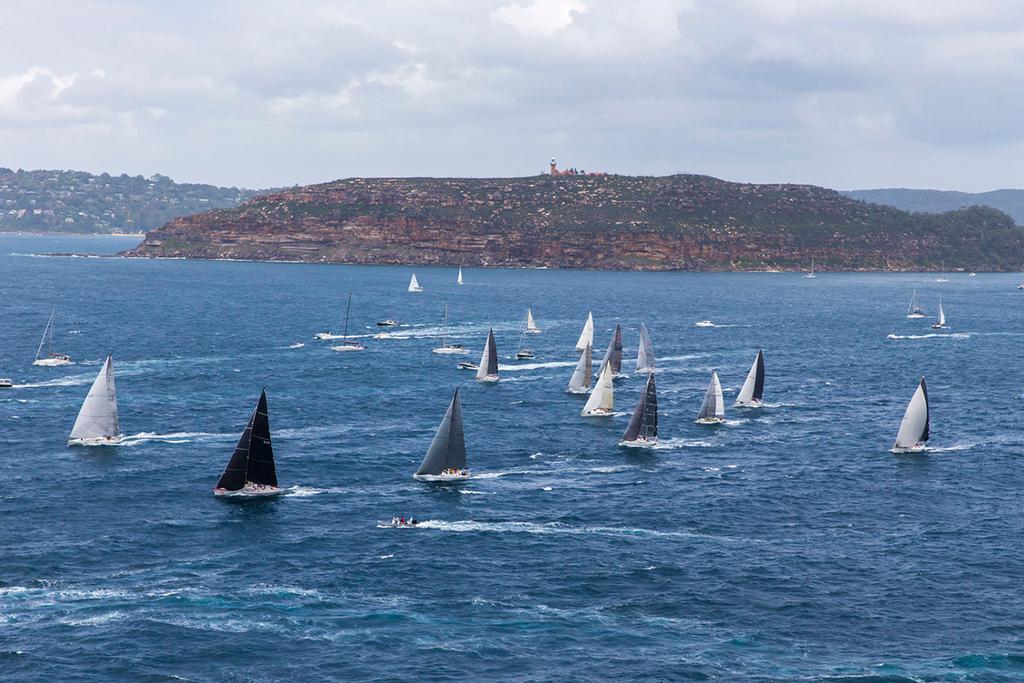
x: 79, y: 202
x: 1010, y: 202
x: 680, y: 222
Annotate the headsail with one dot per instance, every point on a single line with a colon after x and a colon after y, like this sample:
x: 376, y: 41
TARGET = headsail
x: 488, y: 370
x: 645, y: 352
x: 613, y: 355
x: 713, y: 408
x: 448, y: 449
x: 602, y: 398
x: 752, y: 391
x: 253, y: 459
x: 579, y: 383
x: 587, y: 335
x: 942, y: 316
x: 459, y: 280
x: 643, y: 425
x: 531, y: 324
x: 913, y: 431
x: 414, y: 285
x: 97, y: 420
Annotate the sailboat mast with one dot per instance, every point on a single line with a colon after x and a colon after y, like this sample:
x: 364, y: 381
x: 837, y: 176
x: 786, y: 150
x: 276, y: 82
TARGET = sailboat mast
x: 348, y: 308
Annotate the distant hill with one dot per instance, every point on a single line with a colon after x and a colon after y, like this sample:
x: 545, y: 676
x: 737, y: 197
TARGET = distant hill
x: 75, y: 201
x: 1010, y: 202
x: 679, y: 222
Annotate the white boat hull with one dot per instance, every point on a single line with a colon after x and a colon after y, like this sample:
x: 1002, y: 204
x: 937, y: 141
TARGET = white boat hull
x: 348, y: 347
x: 639, y: 443
x: 451, y: 351
x: 249, y: 490
x: 599, y: 412
x: 919, y: 448
x: 916, y: 316
x: 327, y: 336
x: 97, y: 441
x: 461, y: 476
x: 578, y: 392
x: 51, y: 362
x: 748, y: 404
x: 489, y: 379
x: 709, y: 421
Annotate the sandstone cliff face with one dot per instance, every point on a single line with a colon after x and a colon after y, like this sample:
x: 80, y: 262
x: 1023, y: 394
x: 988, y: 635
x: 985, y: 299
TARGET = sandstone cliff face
x: 611, y: 222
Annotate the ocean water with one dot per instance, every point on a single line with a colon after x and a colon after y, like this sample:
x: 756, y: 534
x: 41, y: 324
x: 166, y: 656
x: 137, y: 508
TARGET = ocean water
x: 787, y: 545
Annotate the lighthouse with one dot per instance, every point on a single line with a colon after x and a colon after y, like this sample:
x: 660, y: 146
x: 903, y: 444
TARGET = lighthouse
x: 554, y: 167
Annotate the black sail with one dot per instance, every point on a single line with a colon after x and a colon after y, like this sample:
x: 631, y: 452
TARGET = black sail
x: 492, y: 354
x: 448, y: 449
x: 253, y: 459
x: 644, y: 421
x: 613, y: 354
x: 759, y: 380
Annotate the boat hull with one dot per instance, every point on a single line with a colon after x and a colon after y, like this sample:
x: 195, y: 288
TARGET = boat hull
x: 450, y: 351
x: 51, y: 362
x: 916, y: 316
x: 709, y: 420
x: 900, y: 450
x: 462, y: 476
x: 98, y: 441
x: 599, y: 412
x: 6, y: 384
x: 578, y: 392
x: 348, y: 347
x: 639, y: 443
x: 249, y: 490
x: 489, y: 379
x: 749, y: 404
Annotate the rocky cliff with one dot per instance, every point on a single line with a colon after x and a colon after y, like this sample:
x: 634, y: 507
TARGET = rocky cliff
x: 682, y: 222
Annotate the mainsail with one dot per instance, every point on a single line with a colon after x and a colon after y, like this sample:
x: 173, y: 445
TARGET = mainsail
x: 459, y: 280
x: 253, y: 459
x: 914, y: 428
x: 97, y: 420
x: 488, y: 371
x: 448, y: 449
x: 414, y: 285
x: 47, y: 339
x: 643, y: 425
x: 752, y: 391
x: 602, y: 398
x: 645, y: 353
x: 613, y: 355
x: 579, y: 383
x: 941, y: 322
x: 713, y: 408
x: 587, y: 335
x: 531, y: 324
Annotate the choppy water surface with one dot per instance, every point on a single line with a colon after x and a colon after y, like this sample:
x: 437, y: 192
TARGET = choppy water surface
x: 788, y: 544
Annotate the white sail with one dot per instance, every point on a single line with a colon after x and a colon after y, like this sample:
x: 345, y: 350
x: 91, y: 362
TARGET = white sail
x: 414, y: 285
x: 753, y: 386
x: 459, y: 280
x: 713, y: 407
x: 580, y: 381
x: 602, y: 398
x: 488, y: 370
x: 97, y: 420
x: 913, y: 431
x: 645, y: 353
x: 587, y: 335
x: 531, y: 324
x: 942, y: 315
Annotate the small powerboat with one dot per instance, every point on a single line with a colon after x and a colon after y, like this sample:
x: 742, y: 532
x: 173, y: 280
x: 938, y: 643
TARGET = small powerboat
x: 6, y: 383
x: 468, y: 365
x: 399, y: 523
x: 387, y: 323
x: 524, y: 354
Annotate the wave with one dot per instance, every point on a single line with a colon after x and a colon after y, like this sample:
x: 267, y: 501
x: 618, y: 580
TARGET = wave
x: 536, y: 366
x: 953, y: 335
x: 469, y: 526
x: 69, y: 381
x: 296, y: 345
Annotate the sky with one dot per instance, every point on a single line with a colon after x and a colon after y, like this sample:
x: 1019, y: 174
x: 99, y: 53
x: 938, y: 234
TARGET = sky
x: 261, y: 93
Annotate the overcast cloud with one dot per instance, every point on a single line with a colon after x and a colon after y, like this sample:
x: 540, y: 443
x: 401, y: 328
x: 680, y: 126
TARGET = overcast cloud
x: 863, y: 93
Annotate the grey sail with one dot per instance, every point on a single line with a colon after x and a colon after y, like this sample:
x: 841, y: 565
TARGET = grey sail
x: 645, y: 352
x: 643, y: 425
x: 489, y: 359
x: 583, y: 374
x: 613, y: 355
x: 914, y: 427
x: 712, y: 408
x: 98, y: 417
x: 448, y: 449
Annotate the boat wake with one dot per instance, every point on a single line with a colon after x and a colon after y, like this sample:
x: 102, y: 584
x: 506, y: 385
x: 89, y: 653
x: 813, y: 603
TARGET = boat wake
x: 296, y: 345
x: 954, y: 335
x: 950, y: 449
x: 173, y: 437
x: 69, y: 381
x: 469, y: 526
x: 536, y: 366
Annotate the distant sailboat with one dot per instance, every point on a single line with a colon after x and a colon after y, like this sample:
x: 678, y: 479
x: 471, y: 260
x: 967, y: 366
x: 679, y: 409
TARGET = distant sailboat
x: 913, y: 433
x: 613, y: 355
x: 97, y: 423
x: 524, y: 353
x: 587, y: 335
x: 1021, y: 285
x: 752, y: 392
x: 602, y: 399
x: 458, y: 280
x: 49, y: 359
x: 581, y: 378
x: 942, y: 274
x: 346, y: 343
x: 444, y: 347
x: 712, y: 410
x: 914, y: 310
x: 251, y: 467
x: 643, y: 425
x: 645, y: 352
x: 531, y: 324
x: 811, y: 274
x: 487, y: 371
x: 414, y: 285
x: 446, y: 457
x: 941, y: 322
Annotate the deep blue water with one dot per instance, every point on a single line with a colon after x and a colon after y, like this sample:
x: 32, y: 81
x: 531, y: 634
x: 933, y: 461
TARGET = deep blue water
x: 788, y: 544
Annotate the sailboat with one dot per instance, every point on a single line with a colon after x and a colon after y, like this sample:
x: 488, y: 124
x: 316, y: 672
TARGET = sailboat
x: 531, y: 324
x: 488, y: 368
x: 752, y: 391
x: 414, y: 285
x: 250, y: 471
x: 712, y: 410
x: 941, y: 322
x: 942, y: 275
x: 346, y: 343
x: 602, y: 399
x: 97, y: 423
x: 582, y: 375
x: 613, y: 355
x: 587, y: 335
x: 643, y: 425
x: 446, y: 458
x: 445, y: 347
x: 913, y: 432
x: 914, y: 310
x: 645, y: 352
x: 1021, y: 285
x: 458, y: 280
x: 50, y: 359
x: 811, y: 274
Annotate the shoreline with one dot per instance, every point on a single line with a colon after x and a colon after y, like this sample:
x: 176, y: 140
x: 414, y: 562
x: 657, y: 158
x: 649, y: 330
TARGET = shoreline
x: 24, y: 233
